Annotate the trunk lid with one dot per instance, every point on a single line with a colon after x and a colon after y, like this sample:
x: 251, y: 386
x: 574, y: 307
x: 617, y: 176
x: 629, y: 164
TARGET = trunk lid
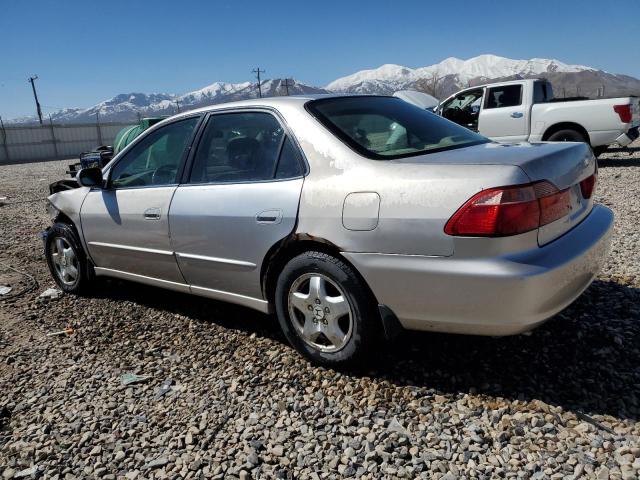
x: 563, y: 164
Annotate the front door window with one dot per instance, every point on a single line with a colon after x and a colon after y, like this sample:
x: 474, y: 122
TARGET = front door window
x: 464, y: 109
x: 154, y: 160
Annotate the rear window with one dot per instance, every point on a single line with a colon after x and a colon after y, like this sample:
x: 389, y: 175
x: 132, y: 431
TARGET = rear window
x: 384, y: 128
x: 542, y: 92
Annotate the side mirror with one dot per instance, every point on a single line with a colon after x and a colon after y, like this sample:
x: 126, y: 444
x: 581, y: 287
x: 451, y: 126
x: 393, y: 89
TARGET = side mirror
x: 90, y: 177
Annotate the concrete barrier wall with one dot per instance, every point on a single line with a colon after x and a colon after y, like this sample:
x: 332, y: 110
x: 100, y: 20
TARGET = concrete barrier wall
x: 33, y: 143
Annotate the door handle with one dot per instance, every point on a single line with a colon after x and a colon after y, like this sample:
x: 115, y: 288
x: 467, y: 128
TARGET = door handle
x: 152, y: 213
x: 269, y: 216
x: 517, y: 115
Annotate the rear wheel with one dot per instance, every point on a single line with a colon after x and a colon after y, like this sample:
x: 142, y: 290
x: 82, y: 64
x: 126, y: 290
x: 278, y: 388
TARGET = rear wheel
x: 325, y: 310
x: 567, y: 135
x: 66, y: 259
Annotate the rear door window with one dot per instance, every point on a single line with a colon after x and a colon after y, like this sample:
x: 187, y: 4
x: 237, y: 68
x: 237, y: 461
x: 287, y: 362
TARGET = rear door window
x: 504, y: 96
x: 244, y: 147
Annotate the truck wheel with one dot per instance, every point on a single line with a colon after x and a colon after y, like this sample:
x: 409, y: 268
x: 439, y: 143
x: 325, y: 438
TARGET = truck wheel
x: 567, y: 136
x: 325, y: 310
x: 66, y: 259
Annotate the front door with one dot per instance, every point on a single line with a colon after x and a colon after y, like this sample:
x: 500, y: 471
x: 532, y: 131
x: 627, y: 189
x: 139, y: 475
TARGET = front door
x: 241, y: 198
x: 126, y: 225
x: 503, y: 117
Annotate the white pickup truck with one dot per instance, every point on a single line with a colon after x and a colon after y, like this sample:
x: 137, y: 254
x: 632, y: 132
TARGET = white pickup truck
x: 525, y: 110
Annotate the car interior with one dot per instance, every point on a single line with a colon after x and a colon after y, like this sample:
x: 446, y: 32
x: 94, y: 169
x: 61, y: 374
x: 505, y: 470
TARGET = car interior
x: 464, y: 109
x: 237, y: 147
x: 155, y: 160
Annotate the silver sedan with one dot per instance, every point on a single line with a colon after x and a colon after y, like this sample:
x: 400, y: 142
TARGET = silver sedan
x: 351, y: 217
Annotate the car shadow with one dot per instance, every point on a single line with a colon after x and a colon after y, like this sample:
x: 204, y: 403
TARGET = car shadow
x: 586, y: 359
x: 227, y: 315
x: 623, y: 158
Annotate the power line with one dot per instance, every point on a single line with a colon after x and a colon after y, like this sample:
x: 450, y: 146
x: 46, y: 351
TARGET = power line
x: 35, y: 95
x: 257, y: 71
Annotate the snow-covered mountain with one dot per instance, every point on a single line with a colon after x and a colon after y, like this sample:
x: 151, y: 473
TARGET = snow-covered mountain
x: 453, y: 74
x: 127, y: 107
x: 390, y: 78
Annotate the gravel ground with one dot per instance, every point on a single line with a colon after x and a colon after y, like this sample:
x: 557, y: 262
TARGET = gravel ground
x: 561, y: 402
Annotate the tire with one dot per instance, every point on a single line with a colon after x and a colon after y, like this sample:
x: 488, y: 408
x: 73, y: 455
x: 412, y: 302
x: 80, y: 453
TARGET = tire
x: 567, y: 136
x: 67, y: 261
x: 352, y: 336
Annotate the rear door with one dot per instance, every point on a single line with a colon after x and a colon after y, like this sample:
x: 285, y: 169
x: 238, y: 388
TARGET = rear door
x: 239, y: 199
x: 504, y: 116
x: 126, y: 225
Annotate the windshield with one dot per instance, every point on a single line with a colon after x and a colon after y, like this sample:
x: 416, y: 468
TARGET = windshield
x: 387, y: 127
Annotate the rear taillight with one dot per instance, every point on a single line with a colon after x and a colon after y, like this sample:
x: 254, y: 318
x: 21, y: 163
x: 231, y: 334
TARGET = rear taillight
x: 624, y: 111
x: 588, y: 185
x: 505, y: 211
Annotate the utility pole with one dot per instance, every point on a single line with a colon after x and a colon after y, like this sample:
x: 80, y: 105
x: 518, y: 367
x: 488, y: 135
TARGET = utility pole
x: 4, y: 140
x: 257, y: 71
x: 98, y: 131
x: 178, y: 105
x: 287, y: 85
x: 35, y: 95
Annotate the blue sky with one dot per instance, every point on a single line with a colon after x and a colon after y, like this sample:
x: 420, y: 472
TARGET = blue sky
x: 87, y: 51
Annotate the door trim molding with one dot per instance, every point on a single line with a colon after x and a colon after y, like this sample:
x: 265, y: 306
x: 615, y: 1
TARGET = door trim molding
x: 129, y: 247
x: 228, y: 261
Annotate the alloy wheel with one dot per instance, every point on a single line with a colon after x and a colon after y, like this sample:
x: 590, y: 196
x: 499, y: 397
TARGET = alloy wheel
x: 65, y: 261
x: 320, y: 312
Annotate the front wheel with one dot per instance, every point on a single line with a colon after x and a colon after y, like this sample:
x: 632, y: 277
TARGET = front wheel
x: 325, y: 310
x: 66, y: 259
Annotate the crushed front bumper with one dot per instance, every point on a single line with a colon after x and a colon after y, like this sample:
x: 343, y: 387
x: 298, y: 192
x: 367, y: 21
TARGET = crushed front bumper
x: 489, y: 296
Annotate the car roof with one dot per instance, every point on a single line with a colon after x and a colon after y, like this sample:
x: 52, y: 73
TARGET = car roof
x: 292, y: 100
x: 508, y: 82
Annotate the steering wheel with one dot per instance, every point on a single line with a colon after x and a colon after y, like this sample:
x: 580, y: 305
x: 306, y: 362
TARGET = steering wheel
x: 163, y: 174
x: 452, y: 112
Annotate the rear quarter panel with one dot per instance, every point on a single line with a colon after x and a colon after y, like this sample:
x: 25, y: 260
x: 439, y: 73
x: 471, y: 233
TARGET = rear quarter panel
x: 416, y: 199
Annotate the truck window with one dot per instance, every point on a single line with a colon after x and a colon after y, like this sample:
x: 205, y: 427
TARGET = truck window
x: 504, y: 96
x: 542, y: 92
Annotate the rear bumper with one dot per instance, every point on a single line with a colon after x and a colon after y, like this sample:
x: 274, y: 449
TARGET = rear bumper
x: 489, y: 296
x: 626, y: 138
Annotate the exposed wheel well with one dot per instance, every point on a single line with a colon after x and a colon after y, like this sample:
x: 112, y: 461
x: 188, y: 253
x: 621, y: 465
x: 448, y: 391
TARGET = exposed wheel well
x: 62, y: 218
x: 566, y: 126
x: 282, y: 252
